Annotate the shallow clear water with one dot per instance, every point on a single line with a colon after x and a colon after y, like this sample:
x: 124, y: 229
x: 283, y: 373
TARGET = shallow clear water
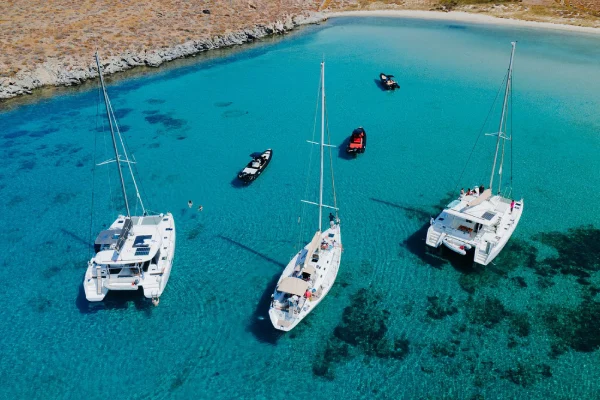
x: 522, y: 328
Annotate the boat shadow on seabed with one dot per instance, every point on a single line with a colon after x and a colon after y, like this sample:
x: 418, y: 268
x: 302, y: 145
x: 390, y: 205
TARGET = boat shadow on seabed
x: 379, y: 85
x: 260, y: 324
x: 415, y: 243
x: 115, y: 300
x: 236, y: 182
x: 342, y: 150
x: 439, y: 257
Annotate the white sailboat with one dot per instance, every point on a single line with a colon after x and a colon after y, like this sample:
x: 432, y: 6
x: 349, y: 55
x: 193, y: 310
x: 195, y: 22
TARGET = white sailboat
x: 135, y: 251
x: 481, y: 220
x: 309, y: 276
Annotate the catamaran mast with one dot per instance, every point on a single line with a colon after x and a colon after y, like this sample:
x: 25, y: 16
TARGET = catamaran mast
x: 112, y: 132
x: 322, y: 142
x: 508, y: 81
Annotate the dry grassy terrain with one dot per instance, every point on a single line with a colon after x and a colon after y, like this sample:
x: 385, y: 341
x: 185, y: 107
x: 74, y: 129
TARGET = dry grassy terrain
x: 589, y: 6
x: 67, y: 32
x: 35, y: 30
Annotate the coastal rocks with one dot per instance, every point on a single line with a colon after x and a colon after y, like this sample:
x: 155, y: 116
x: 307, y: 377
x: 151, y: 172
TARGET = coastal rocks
x: 55, y: 73
x: 153, y: 60
x: 133, y: 60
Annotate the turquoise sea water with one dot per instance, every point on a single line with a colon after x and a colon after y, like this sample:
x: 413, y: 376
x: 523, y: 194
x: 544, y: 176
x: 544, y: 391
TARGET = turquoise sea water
x: 400, y: 323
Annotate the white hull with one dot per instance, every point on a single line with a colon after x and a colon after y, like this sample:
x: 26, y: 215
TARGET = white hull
x: 454, y: 231
x: 151, y: 272
x: 310, y: 275
x: 478, y: 218
x: 484, y: 258
x: 285, y: 317
x: 136, y: 251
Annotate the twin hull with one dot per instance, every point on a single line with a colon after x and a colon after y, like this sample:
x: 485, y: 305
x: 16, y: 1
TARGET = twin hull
x: 153, y: 281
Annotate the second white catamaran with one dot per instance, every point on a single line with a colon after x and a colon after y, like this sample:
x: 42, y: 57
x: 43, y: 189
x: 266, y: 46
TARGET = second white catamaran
x: 309, y: 276
x: 480, y: 220
x: 135, y: 251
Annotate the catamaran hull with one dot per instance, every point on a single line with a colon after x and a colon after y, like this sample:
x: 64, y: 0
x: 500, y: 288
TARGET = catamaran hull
x: 498, y: 248
x: 153, y: 284
x: 481, y: 254
x: 154, y: 291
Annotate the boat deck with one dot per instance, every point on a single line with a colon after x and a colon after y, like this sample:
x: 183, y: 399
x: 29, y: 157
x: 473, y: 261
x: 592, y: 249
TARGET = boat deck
x: 325, y: 262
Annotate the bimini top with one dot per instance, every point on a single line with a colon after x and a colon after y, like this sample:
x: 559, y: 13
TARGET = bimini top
x: 292, y: 286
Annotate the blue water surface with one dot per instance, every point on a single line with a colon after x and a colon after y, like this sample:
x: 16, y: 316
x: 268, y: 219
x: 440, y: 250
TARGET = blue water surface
x: 400, y: 322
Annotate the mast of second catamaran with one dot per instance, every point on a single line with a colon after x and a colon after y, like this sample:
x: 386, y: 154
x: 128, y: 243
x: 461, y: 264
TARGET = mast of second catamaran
x: 508, y: 81
x: 322, y: 142
x: 112, y: 132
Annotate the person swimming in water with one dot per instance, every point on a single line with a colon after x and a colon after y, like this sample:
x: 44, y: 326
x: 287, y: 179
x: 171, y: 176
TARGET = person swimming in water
x: 200, y: 207
x: 190, y: 203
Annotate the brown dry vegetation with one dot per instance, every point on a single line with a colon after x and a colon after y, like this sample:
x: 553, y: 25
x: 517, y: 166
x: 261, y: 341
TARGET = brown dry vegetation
x: 69, y: 31
x: 590, y: 6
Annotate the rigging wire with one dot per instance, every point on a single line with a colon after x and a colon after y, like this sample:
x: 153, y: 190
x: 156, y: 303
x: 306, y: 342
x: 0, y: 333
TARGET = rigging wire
x: 501, y: 170
x: 125, y: 153
x: 479, y: 135
x: 310, y: 165
x: 112, y: 201
x: 139, y: 182
x: 511, y: 133
x: 94, y: 174
x: 331, y: 162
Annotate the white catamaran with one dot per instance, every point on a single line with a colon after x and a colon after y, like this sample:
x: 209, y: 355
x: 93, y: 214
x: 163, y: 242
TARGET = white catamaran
x: 309, y: 276
x: 135, y: 251
x: 480, y: 220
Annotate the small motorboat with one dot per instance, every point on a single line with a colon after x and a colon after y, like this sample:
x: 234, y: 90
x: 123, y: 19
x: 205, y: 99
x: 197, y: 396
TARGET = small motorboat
x: 255, y: 167
x: 387, y: 82
x: 358, y: 141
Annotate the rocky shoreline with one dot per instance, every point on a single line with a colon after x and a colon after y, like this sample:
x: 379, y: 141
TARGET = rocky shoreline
x: 53, y: 73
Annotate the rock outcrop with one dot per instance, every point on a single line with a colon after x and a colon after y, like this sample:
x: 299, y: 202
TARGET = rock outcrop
x: 67, y: 73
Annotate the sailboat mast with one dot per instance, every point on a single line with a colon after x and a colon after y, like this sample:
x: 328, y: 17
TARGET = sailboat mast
x: 322, y: 142
x: 510, y: 66
x: 112, y: 133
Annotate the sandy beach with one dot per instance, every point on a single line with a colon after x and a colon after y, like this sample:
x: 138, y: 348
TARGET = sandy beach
x: 463, y: 17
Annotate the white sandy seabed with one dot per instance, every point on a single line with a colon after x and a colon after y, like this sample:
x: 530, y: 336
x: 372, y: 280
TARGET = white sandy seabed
x: 463, y: 17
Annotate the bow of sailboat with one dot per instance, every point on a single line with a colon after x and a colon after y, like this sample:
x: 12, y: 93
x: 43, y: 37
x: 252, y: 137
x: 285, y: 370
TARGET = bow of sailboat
x: 314, y: 268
